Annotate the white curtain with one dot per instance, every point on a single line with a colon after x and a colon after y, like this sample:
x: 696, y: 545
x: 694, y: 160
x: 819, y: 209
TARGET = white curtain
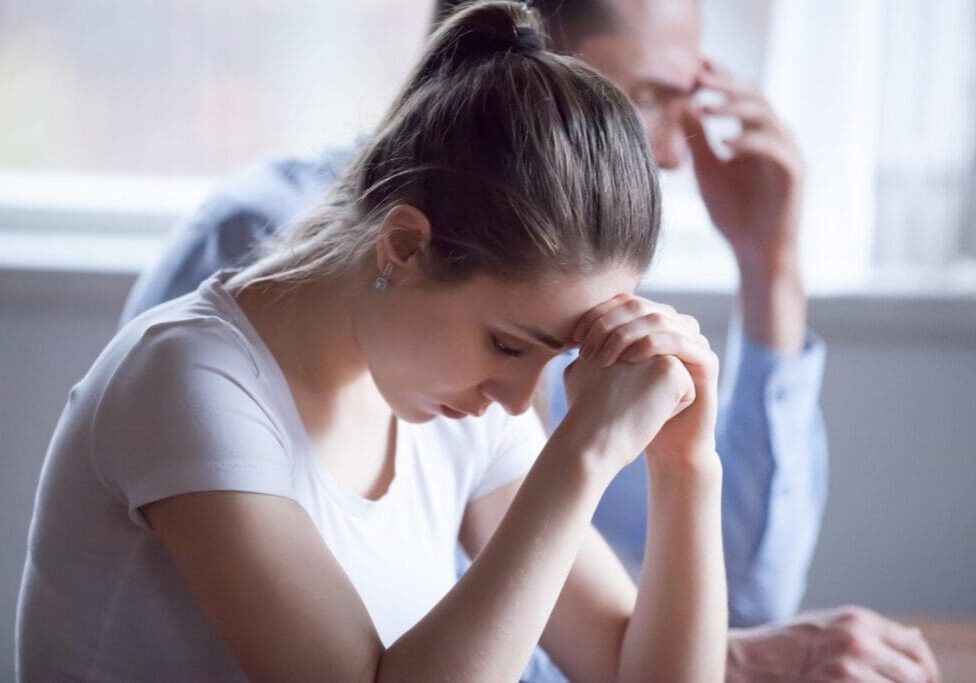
x: 882, y: 97
x: 926, y: 169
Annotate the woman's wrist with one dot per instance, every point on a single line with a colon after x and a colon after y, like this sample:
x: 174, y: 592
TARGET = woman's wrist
x: 699, y: 476
x: 592, y: 451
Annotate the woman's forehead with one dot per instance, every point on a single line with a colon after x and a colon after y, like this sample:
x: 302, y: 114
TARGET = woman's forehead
x: 560, y: 299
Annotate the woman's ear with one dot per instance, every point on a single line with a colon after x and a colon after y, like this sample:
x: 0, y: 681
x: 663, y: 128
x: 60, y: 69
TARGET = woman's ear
x: 404, y: 235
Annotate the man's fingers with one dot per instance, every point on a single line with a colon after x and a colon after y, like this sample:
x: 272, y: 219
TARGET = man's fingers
x: 894, y: 665
x: 719, y: 78
x: 766, y: 146
x: 910, y: 642
x: 694, y: 130
x: 753, y: 112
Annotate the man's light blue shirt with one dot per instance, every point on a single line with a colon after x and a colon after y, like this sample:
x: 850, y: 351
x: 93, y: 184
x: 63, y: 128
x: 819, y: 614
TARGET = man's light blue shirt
x: 770, y: 434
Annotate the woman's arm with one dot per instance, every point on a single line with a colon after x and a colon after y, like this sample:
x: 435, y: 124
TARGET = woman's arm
x: 282, y: 603
x: 599, y: 609
x: 676, y: 628
x: 680, y: 623
x: 279, y: 598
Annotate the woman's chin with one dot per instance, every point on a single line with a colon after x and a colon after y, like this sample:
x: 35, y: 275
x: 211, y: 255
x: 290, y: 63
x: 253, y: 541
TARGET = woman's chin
x: 415, y: 414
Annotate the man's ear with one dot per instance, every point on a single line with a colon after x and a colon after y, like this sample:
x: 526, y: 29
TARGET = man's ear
x: 404, y: 235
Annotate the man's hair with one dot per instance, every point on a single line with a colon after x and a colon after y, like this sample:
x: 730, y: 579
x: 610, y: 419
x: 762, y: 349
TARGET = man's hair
x: 526, y: 163
x: 566, y: 23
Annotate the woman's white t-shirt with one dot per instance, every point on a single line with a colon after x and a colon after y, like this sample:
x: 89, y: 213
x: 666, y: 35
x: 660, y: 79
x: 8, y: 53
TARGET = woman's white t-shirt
x: 188, y: 398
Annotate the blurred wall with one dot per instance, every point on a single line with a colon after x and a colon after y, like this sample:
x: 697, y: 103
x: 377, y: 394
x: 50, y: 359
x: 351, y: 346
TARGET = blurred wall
x: 900, y: 530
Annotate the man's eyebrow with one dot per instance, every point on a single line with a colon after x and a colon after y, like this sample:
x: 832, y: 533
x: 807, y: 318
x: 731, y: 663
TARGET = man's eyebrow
x: 667, y: 88
x: 544, y: 337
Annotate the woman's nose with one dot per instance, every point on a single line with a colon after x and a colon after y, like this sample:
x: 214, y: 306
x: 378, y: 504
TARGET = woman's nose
x: 514, y: 392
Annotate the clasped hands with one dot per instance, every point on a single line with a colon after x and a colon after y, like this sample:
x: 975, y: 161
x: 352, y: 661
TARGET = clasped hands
x: 647, y: 379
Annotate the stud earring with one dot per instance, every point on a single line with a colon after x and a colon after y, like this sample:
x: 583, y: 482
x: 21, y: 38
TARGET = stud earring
x: 383, y: 280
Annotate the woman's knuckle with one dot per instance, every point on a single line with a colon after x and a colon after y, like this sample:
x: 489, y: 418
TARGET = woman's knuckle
x: 655, y: 318
x: 633, y: 306
x: 712, y: 360
x: 672, y: 365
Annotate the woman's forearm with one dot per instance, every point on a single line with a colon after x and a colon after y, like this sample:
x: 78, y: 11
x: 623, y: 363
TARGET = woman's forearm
x: 486, y: 627
x: 679, y: 627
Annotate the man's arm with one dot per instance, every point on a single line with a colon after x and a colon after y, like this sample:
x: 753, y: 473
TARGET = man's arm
x: 770, y: 430
x: 843, y: 644
x: 773, y: 446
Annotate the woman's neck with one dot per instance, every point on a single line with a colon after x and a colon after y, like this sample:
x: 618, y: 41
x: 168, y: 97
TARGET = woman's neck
x: 310, y: 331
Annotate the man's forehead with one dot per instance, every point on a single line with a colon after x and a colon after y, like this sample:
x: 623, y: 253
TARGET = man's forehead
x: 661, y: 38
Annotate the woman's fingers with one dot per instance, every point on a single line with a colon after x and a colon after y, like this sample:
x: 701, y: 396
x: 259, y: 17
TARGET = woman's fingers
x: 600, y: 322
x: 643, y: 338
x: 701, y: 361
x: 582, y: 328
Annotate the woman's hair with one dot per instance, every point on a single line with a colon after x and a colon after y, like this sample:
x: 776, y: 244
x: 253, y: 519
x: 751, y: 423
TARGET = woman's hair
x: 525, y: 163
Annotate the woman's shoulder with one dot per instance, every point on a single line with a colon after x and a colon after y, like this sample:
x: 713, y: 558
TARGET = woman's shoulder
x: 182, y: 337
x: 188, y: 350
x: 180, y: 403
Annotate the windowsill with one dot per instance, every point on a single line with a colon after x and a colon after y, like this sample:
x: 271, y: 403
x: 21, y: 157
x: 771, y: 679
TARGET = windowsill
x: 85, y: 223
x: 132, y: 251
x: 84, y: 252
x: 41, y: 275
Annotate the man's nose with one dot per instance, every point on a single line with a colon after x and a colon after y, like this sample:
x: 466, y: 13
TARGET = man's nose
x: 666, y: 135
x: 669, y: 145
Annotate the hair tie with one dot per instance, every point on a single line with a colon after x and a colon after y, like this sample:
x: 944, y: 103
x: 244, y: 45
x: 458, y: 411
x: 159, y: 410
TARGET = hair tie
x: 527, y: 38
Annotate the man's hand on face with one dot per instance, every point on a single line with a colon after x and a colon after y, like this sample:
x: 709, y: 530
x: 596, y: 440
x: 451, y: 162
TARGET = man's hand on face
x: 844, y: 644
x: 754, y: 196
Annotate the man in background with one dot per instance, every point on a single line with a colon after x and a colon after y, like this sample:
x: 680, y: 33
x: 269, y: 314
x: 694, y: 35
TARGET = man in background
x: 770, y: 434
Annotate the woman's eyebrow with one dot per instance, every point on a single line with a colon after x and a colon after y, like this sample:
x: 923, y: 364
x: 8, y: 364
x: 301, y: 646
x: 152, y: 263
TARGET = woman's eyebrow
x: 544, y: 337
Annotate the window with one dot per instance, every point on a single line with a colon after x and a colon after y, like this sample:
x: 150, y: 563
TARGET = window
x: 118, y: 114
x: 882, y: 95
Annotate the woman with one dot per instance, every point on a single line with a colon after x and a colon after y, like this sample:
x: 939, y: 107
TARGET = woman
x: 268, y: 478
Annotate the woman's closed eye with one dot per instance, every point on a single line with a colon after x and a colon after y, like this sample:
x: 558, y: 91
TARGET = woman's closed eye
x: 499, y: 346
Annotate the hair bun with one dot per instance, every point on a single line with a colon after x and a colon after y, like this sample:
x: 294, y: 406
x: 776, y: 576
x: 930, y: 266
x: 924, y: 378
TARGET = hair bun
x: 528, y: 39
x: 481, y: 29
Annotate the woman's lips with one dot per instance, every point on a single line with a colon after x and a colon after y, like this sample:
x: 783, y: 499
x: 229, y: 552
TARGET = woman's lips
x: 454, y: 414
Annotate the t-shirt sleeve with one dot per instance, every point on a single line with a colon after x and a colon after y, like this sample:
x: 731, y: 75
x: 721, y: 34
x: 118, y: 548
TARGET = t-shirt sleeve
x: 185, y: 411
x: 514, y: 444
